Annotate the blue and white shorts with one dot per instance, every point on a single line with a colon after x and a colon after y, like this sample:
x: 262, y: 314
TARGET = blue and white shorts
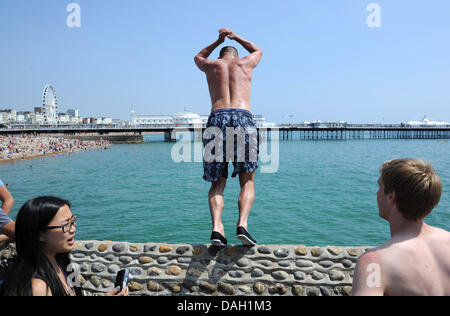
x: 230, y: 135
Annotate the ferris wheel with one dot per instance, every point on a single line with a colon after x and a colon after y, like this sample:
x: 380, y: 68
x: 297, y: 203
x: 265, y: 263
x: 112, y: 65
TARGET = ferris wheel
x: 50, y: 105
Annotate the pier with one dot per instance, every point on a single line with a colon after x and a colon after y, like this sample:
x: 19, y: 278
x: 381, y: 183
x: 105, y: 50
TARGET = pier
x: 286, y: 132
x: 364, y: 132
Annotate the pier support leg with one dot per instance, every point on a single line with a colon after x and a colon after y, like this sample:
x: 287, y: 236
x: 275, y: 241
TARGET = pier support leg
x: 168, y: 136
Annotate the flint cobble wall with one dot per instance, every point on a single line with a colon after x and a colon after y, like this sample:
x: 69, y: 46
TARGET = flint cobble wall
x: 197, y: 270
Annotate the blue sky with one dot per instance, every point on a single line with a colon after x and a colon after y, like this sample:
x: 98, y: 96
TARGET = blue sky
x: 321, y: 60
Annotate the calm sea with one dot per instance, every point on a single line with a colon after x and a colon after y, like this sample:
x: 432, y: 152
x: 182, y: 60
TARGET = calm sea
x: 324, y: 192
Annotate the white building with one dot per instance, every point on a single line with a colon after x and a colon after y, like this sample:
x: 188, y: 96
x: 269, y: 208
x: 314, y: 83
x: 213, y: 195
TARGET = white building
x: 36, y: 118
x: 63, y: 118
x: 183, y: 118
x: 73, y: 113
x: 23, y: 117
x: 104, y: 120
x: 427, y: 123
x: 7, y: 116
x: 327, y: 124
x: 3, y: 117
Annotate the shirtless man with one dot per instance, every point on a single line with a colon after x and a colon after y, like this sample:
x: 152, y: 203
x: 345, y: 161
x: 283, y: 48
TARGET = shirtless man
x: 416, y: 260
x: 229, y: 80
x: 7, y: 226
x: 6, y: 198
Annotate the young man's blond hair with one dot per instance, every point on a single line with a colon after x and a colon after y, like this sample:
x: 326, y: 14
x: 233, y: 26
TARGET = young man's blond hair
x: 416, y: 184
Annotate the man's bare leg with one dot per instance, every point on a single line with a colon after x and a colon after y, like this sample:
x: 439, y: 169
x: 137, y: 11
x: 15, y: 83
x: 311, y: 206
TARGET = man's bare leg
x: 216, y: 204
x: 9, y: 231
x: 246, y: 198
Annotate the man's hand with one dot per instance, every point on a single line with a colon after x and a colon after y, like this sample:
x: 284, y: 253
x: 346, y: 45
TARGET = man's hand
x: 232, y: 36
x: 255, y: 51
x: 222, y: 37
x: 228, y: 33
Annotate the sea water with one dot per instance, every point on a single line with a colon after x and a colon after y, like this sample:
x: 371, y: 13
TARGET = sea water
x: 323, y: 193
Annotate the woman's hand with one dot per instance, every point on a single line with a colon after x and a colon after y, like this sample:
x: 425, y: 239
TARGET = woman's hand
x: 116, y: 292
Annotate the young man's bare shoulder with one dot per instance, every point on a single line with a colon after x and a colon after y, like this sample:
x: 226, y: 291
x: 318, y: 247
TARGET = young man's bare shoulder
x: 439, y: 240
x: 392, y: 254
x: 440, y: 233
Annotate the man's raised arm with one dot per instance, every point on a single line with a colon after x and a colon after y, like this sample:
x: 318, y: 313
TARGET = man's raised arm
x: 6, y: 199
x: 201, y: 58
x: 255, y: 52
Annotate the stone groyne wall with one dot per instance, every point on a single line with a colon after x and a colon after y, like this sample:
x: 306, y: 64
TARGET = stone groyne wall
x: 198, y: 270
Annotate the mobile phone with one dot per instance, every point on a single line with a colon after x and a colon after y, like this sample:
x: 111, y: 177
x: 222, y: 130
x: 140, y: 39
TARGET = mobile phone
x: 122, y: 278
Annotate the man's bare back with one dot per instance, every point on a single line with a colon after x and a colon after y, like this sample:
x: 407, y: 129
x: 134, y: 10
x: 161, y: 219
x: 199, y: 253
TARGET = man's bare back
x: 415, y: 265
x: 416, y: 260
x: 229, y: 82
x: 229, y: 77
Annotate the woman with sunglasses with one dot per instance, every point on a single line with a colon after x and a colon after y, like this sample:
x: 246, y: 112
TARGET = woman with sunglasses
x: 45, y: 232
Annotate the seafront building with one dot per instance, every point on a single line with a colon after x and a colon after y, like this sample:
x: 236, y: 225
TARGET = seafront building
x: 327, y: 124
x: 183, y: 118
x: 48, y: 114
x: 13, y: 117
x: 427, y: 123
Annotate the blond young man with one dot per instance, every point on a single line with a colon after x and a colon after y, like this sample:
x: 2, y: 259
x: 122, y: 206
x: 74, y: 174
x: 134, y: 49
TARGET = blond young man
x: 416, y: 260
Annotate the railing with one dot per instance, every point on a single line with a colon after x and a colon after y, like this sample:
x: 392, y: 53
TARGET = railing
x: 160, y: 127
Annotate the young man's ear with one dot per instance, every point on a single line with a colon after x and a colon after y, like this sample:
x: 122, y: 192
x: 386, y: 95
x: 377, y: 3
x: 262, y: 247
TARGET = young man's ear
x: 392, y: 197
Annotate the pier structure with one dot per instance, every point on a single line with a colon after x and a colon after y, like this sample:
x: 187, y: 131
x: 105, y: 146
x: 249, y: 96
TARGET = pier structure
x: 363, y: 132
x: 135, y: 134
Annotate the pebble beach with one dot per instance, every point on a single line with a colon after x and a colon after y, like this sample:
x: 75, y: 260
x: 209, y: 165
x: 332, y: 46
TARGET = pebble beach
x: 13, y: 148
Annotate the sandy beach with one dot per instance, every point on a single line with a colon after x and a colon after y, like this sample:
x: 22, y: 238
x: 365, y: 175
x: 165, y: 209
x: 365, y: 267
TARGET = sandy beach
x: 23, y: 147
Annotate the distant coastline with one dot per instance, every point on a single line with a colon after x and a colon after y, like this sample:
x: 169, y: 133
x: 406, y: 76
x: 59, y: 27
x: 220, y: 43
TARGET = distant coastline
x: 22, y: 148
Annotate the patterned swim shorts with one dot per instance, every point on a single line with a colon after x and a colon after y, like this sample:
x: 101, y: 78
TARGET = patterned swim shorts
x: 230, y: 135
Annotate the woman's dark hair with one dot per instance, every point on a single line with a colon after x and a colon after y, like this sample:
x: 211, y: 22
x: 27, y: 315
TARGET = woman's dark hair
x: 32, y: 219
